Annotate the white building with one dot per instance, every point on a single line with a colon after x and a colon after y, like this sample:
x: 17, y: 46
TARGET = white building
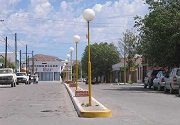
x: 47, y: 67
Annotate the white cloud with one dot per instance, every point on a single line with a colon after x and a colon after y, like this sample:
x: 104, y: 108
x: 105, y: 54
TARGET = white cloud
x: 34, y: 3
x: 42, y: 10
x: 41, y: 22
x: 97, y: 7
x: 63, y: 5
x: 13, y: 1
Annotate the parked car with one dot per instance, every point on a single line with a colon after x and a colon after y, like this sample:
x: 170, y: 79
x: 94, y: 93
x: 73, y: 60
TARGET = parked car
x: 172, y: 81
x: 93, y: 81
x: 22, y: 77
x: 159, y: 80
x: 148, y: 79
x: 7, y: 77
x: 34, y: 79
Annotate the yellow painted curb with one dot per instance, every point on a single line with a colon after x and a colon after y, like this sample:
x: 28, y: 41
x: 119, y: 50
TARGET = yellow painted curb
x: 94, y: 114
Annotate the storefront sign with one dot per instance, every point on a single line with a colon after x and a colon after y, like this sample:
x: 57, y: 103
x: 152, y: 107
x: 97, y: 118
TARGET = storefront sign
x: 47, y: 69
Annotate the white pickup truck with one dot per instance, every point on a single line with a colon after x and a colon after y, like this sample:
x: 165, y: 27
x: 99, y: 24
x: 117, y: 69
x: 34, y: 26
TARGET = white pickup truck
x: 7, y: 77
x: 22, y: 77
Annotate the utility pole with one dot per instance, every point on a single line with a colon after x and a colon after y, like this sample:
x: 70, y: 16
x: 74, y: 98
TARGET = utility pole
x: 20, y: 61
x: 6, y: 54
x: 26, y: 59
x: 32, y: 62
x: 28, y: 64
x: 124, y: 64
x: 15, y: 52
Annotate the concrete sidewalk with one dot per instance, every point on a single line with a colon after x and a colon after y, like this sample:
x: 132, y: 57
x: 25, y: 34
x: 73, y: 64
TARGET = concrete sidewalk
x: 82, y: 108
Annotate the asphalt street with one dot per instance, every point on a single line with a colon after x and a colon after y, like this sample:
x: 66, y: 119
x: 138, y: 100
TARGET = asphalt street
x: 136, y: 103
x: 48, y: 103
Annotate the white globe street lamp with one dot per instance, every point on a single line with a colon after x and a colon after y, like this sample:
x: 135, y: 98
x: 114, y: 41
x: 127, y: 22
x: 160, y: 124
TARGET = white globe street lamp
x: 68, y: 57
x: 71, y: 49
x: 89, y: 15
x: 76, y: 40
x: 64, y: 72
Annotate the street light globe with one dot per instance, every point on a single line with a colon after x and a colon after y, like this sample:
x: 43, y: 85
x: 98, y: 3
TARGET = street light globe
x: 71, y: 49
x: 76, y: 38
x: 68, y: 56
x: 88, y: 14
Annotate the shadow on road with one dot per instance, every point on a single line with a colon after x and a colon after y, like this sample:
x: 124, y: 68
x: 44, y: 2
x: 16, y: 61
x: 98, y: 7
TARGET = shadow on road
x: 137, y: 89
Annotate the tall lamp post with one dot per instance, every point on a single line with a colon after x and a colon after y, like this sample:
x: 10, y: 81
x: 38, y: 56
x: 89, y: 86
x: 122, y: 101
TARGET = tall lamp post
x: 71, y: 49
x: 76, y: 40
x: 68, y: 57
x: 89, y: 15
x: 66, y: 65
x: 64, y: 73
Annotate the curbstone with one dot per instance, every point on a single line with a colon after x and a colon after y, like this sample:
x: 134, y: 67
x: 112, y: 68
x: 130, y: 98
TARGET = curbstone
x: 85, y: 111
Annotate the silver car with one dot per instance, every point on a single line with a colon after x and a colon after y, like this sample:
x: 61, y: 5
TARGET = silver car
x: 159, y: 80
x: 172, y: 82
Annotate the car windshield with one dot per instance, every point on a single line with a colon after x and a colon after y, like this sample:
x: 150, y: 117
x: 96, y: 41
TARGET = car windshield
x: 5, y: 71
x: 155, y: 72
x: 21, y: 74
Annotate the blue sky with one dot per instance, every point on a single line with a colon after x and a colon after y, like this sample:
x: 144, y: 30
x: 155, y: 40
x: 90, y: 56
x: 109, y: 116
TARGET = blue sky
x: 48, y: 26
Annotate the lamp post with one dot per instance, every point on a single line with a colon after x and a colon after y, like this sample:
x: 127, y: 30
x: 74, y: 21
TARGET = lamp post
x: 65, y: 67
x: 76, y: 40
x: 71, y: 49
x: 89, y: 15
x: 64, y: 72
x: 68, y: 57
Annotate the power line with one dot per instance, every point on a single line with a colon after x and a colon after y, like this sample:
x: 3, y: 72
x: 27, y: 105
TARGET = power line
x: 54, y: 20
x: 7, y: 28
x: 10, y: 48
x: 2, y: 37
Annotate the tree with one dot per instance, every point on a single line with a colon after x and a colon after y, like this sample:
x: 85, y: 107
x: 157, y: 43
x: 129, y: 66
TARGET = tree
x: 9, y: 64
x: 130, y: 45
x: 160, y: 33
x: 103, y: 56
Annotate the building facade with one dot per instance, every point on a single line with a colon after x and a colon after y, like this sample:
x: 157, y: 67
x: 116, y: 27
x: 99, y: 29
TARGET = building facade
x: 137, y: 74
x: 48, y: 68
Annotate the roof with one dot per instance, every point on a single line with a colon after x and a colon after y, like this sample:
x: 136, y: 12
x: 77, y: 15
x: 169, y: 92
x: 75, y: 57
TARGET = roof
x: 41, y: 57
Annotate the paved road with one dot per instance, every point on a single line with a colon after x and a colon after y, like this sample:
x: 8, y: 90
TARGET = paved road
x: 48, y: 103
x: 138, y: 105
x: 35, y: 103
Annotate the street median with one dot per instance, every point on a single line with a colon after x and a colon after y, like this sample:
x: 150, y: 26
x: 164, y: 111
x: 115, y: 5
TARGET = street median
x: 82, y: 106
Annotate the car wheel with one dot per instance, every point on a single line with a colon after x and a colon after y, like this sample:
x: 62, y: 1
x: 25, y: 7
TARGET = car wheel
x: 12, y: 84
x: 154, y: 87
x: 145, y: 86
x: 171, y: 90
x: 159, y: 87
x: 149, y: 85
x: 26, y: 83
x: 165, y: 89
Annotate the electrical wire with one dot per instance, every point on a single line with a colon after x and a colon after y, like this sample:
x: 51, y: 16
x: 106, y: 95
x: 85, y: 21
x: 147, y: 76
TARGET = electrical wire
x: 7, y: 28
